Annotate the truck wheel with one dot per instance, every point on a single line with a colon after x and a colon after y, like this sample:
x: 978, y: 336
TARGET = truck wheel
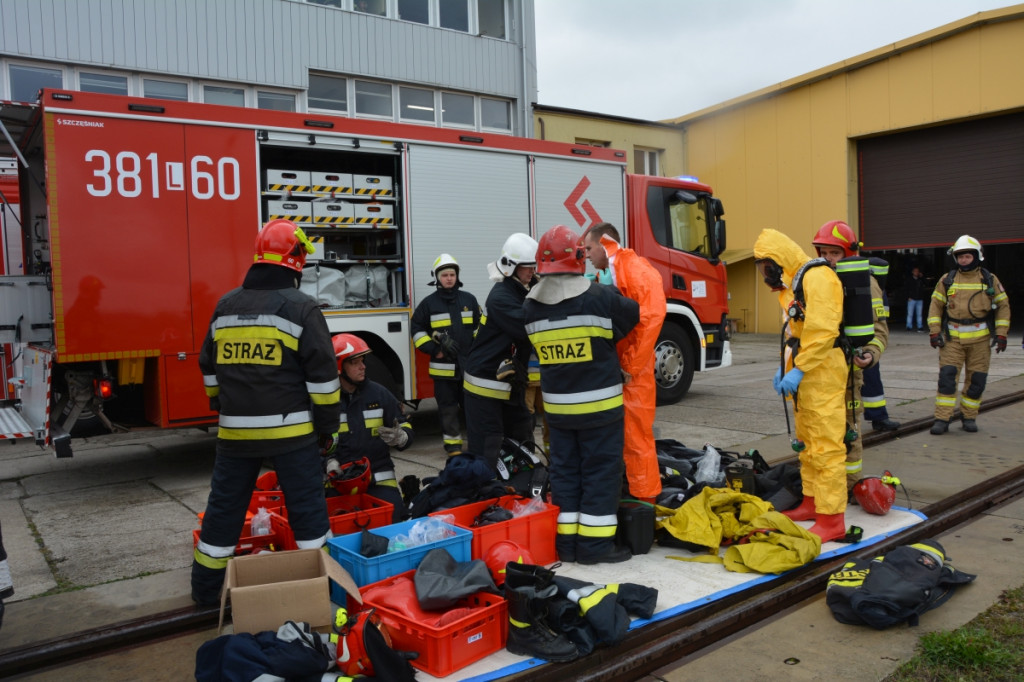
x: 673, y: 364
x: 377, y: 371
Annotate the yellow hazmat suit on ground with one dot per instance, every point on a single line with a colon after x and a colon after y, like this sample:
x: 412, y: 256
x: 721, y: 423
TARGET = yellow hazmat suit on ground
x: 819, y: 402
x: 637, y: 279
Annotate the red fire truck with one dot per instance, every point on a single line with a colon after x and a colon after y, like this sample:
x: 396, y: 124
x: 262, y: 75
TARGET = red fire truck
x: 136, y: 215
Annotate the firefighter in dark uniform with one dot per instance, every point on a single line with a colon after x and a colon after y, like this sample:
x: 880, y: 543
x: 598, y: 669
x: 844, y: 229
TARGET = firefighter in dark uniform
x: 269, y: 370
x: 371, y: 422
x: 442, y: 327
x: 574, y: 324
x: 495, y: 373
x: 968, y: 308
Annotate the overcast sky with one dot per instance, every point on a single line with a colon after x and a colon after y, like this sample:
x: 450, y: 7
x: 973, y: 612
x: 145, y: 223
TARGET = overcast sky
x: 659, y: 59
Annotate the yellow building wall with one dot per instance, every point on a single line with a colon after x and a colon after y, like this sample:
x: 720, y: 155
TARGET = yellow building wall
x: 785, y: 157
x: 618, y: 134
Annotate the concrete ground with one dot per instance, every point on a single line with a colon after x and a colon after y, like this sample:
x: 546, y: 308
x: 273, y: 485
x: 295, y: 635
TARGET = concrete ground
x: 106, y: 535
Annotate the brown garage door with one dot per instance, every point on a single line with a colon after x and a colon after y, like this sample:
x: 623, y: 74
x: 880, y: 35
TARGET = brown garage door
x: 927, y: 187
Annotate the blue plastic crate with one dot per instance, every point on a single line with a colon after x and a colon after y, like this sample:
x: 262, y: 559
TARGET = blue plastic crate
x: 366, y: 570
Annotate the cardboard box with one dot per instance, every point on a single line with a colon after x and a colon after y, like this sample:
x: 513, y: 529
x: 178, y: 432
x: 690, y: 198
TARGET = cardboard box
x: 266, y: 590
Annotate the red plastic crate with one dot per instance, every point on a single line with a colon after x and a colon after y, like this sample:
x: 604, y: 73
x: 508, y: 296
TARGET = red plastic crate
x: 280, y: 537
x: 445, y: 649
x: 352, y: 513
x: 534, y: 532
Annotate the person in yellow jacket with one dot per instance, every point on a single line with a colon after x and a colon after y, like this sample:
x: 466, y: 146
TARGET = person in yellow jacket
x: 637, y: 279
x: 969, y: 306
x: 815, y: 377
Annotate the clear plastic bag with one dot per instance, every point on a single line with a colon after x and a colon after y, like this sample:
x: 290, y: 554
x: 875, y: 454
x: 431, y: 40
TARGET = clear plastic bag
x: 709, y: 467
x: 531, y: 506
x: 260, y: 524
x: 426, y: 530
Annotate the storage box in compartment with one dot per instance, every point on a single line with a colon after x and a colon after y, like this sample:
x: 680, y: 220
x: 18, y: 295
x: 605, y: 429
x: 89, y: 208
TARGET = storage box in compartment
x: 287, y: 180
x: 338, y: 183
x: 374, y: 214
x: 366, y: 570
x: 372, y: 185
x: 330, y: 213
x: 297, y: 211
x: 447, y: 648
x: 534, y: 532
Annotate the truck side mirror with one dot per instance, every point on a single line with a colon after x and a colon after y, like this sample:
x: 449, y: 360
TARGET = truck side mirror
x: 717, y: 238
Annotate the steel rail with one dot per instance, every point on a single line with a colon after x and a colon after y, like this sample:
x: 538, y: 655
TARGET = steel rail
x: 643, y: 650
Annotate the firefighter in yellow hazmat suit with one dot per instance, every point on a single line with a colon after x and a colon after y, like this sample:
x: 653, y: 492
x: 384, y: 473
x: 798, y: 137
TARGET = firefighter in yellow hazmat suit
x: 815, y: 377
x: 637, y: 279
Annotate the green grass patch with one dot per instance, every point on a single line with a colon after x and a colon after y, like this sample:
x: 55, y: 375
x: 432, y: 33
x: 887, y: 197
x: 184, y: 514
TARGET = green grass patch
x: 990, y: 648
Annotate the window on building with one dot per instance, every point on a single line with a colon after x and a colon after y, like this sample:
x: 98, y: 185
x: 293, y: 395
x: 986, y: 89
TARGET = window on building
x: 414, y: 10
x: 103, y: 83
x: 27, y: 81
x: 491, y: 15
x: 495, y: 113
x: 165, y: 89
x: 454, y: 14
x: 216, y: 94
x: 377, y: 7
x: 417, y: 104
x: 326, y: 3
x: 457, y: 109
x: 593, y: 143
x: 278, y: 101
x: 328, y: 92
x: 373, y: 99
x: 645, y: 161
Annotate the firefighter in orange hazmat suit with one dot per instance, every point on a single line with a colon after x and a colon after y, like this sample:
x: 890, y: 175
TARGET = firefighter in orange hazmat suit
x: 817, y: 366
x: 638, y: 280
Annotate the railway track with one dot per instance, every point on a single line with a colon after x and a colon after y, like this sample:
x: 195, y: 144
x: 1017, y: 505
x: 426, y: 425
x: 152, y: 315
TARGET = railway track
x: 644, y: 650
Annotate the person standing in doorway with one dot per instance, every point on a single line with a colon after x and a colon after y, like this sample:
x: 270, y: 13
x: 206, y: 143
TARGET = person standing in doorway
x: 917, y: 291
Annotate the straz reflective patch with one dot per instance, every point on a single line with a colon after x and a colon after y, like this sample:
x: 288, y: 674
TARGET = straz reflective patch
x: 248, y: 352
x: 564, y: 350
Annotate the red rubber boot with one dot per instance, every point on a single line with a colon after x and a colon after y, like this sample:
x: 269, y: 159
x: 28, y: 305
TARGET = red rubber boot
x: 804, y: 512
x: 830, y: 527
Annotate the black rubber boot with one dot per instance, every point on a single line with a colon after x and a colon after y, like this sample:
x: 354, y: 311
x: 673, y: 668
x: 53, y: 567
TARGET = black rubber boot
x: 970, y: 426
x: 528, y: 575
x: 528, y: 631
x: 939, y: 427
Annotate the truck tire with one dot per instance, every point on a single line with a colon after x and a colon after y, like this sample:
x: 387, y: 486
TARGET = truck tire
x: 673, y: 363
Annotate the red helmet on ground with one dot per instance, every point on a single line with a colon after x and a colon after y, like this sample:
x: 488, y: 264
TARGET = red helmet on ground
x: 348, y: 346
x: 353, y: 659
x: 837, y: 233
x: 282, y: 242
x: 505, y: 552
x: 876, y: 494
x: 560, y: 250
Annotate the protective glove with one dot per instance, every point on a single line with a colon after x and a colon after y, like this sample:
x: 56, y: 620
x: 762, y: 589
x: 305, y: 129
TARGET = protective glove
x: 937, y: 341
x: 790, y: 382
x: 395, y: 436
x: 1000, y: 343
x: 328, y: 443
x: 449, y: 346
x: 777, y: 379
x: 506, y: 370
x: 332, y: 467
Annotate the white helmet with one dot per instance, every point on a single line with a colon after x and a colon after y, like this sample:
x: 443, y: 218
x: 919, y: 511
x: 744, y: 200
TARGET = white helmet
x: 443, y: 262
x: 519, y: 249
x: 966, y: 243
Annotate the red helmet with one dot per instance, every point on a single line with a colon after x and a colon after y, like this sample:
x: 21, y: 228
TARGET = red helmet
x: 837, y: 233
x: 352, y: 478
x: 505, y: 552
x: 353, y: 659
x: 876, y: 494
x: 348, y: 346
x: 560, y: 250
x: 282, y: 242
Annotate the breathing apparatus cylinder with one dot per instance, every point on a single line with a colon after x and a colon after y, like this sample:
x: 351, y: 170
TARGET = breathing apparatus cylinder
x: 858, y: 316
